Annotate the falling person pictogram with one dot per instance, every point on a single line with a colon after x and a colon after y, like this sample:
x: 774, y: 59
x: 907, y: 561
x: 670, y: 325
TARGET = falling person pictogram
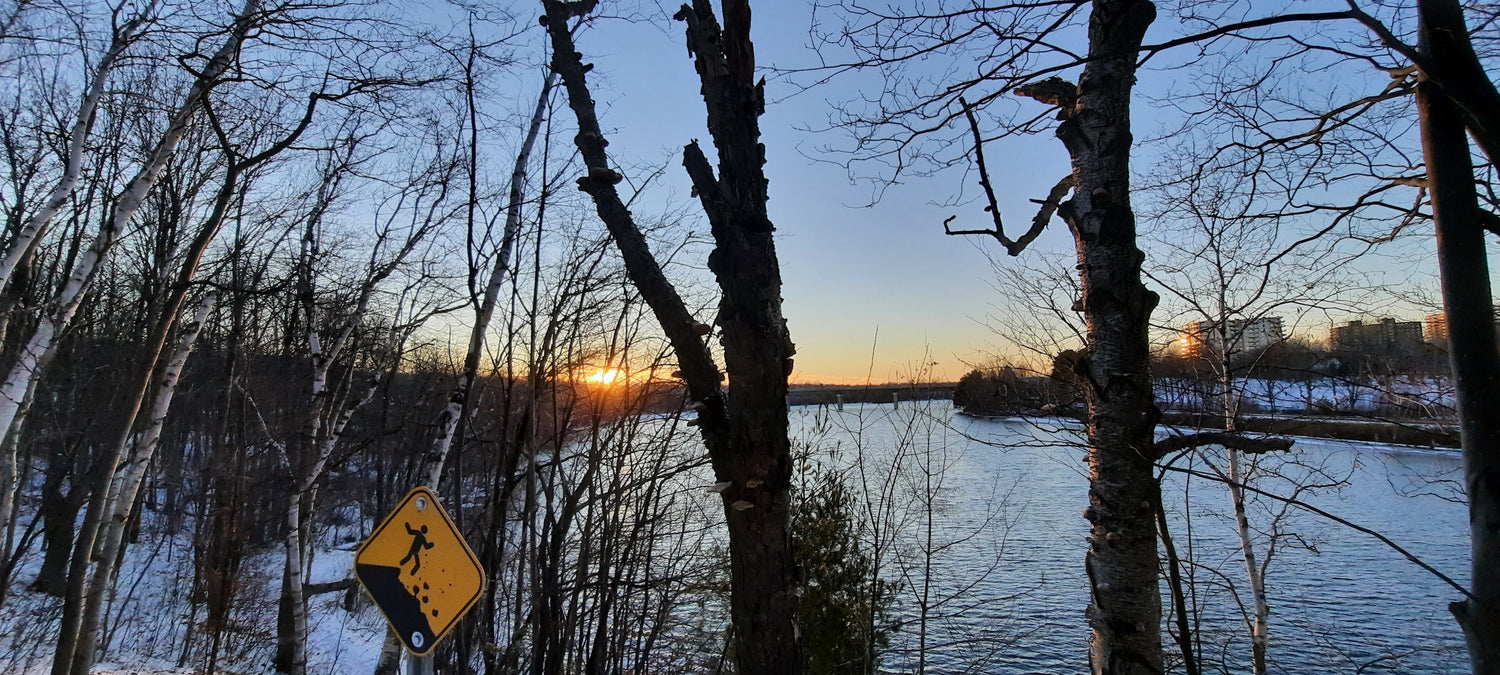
x: 418, y: 544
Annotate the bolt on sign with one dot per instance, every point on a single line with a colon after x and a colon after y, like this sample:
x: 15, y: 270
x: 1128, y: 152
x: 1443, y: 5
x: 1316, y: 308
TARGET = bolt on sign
x: 419, y: 571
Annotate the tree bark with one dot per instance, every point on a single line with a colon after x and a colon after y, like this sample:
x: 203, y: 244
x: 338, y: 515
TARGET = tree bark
x: 1122, y: 564
x: 291, y: 615
x: 59, y: 512
x: 1464, y: 270
x: 1186, y: 641
x: 1259, y: 626
x: 126, y: 486
x: 43, y: 343
x: 746, y: 435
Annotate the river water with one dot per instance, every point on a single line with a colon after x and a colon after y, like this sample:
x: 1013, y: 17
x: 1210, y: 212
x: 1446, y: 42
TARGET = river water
x: 997, y: 558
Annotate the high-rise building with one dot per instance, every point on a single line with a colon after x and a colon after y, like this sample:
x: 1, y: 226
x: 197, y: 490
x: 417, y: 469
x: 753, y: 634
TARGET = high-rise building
x: 1202, y: 338
x: 1377, y: 336
x: 1435, y: 328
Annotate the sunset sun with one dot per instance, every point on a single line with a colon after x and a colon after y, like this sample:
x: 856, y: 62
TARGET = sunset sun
x: 606, y: 376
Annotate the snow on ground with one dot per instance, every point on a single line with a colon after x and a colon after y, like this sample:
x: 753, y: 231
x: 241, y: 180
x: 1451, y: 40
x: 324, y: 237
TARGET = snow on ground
x: 149, y: 615
x: 1432, y: 395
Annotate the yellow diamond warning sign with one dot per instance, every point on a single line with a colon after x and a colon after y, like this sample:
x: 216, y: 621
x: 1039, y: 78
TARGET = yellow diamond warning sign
x: 419, y: 571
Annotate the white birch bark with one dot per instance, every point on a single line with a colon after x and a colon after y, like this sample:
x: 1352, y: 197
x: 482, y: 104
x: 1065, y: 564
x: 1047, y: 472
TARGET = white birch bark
x: 1260, y: 627
x: 292, y: 577
x: 83, y: 124
x: 128, y: 479
x: 69, y: 657
x: 8, y: 446
x: 13, y: 394
x: 448, y: 425
x: 294, y: 593
x: 13, y: 390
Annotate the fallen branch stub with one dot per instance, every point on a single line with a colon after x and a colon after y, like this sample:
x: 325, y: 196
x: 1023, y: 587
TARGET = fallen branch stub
x: 1247, y: 444
x: 1052, y: 91
x: 329, y: 587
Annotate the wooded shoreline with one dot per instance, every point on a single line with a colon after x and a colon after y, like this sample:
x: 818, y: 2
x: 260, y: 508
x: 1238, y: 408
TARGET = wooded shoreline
x: 1420, y: 433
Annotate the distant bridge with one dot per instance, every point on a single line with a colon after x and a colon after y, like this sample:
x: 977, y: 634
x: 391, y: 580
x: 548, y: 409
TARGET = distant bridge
x: 874, y: 393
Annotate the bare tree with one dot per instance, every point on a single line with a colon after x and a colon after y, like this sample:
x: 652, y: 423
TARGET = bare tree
x: 1365, y: 138
x: 484, y: 310
x: 451, y: 423
x: 1122, y: 563
x: 23, y: 374
x: 917, y: 121
x: 1447, y: 111
x: 25, y: 240
x: 411, y: 216
x: 744, y: 428
x: 126, y: 29
x: 1236, y: 275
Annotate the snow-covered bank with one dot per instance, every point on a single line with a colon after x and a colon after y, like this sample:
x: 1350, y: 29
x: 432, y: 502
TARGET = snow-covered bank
x: 150, y: 615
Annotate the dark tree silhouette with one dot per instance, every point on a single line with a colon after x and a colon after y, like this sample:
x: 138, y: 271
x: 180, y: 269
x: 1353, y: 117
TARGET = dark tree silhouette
x: 744, y: 424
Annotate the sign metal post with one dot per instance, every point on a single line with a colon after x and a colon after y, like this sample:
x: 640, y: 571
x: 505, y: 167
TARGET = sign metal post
x: 418, y: 665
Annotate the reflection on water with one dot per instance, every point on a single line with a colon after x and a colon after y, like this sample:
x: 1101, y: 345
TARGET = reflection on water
x: 1012, y: 492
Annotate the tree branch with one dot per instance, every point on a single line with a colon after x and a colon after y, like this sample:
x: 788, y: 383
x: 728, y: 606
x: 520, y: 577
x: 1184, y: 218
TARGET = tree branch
x: 1309, y: 507
x: 1454, y: 67
x: 1059, y: 96
x: 1489, y: 221
x: 1236, y: 441
x: 699, y: 371
x: 1217, y: 31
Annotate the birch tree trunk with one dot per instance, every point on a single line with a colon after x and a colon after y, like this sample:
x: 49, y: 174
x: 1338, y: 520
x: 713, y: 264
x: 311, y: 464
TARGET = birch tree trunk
x: 1259, y: 626
x: 321, y: 440
x: 14, y: 394
x: 236, y: 169
x: 291, y: 640
x: 321, y: 435
x: 458, y: 402
x: 128, y: 484
x: 44, y: 341
x: 8, y: 445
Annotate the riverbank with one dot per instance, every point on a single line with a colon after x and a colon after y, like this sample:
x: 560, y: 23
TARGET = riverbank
x: 1425, y: 433
x: 1421, y: 433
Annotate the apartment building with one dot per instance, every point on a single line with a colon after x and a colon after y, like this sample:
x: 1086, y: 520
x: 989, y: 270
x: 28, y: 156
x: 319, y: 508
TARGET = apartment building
x: 1376, y: 336
x: 1202, y: 338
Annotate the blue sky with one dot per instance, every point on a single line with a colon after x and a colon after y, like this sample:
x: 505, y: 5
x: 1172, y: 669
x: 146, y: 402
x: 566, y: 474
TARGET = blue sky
x: 852, y: 271
x: 855, y: 277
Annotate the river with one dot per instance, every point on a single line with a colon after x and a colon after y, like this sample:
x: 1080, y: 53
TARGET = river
x: 1006, y: 590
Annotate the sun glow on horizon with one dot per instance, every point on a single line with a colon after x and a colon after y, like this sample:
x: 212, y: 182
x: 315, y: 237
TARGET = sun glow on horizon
x: 606, y: 376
